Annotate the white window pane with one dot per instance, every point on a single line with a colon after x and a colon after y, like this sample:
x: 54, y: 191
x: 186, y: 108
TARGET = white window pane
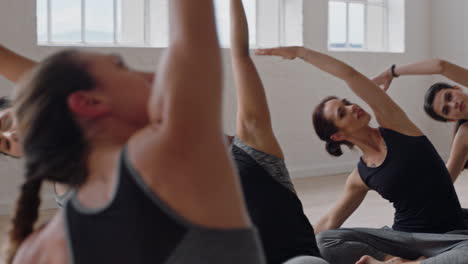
x: 250, y: 7
x: 66, y: 20
x: 379, y: 2
x: 293, y: 23
x: 269, y: 25
x: 375, y: 27
x: 130, y: 29
x: 222, y: 21
x: 41, y: 15
x: 356, y: 25
x: 337, y: 25
x: 99, y: 21
x: 159, y: 25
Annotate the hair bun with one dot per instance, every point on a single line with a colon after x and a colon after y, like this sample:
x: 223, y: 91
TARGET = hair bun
x: 334, y: 148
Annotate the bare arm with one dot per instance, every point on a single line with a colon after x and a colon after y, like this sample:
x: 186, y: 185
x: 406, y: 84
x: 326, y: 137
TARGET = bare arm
x: 459, y: 152
x: 388, y: 113
x: 428, y: 67
x: 13, y: 65
x: 354, y: 193
x: 182, y: 155
x: 253, y: 116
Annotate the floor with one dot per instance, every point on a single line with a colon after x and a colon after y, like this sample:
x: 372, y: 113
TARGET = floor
x: 318, y: 195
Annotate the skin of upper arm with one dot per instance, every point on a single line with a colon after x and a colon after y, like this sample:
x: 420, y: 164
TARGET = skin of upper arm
x: 454, y: 72
x: 388, y: 113
x: 459, y: 152
x: 354, y: 193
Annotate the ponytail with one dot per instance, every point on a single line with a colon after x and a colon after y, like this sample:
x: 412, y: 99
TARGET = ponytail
x: 326, y: 128
x: 54, y: 145
x: 24, y: 218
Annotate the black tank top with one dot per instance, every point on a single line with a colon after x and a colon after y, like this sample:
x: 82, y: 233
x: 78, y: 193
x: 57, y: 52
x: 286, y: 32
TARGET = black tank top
x: 276, y: 211
x: 138, y: 227
x: 415, y: 179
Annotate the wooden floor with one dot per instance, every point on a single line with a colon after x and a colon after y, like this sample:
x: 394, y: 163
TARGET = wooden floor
x: 319, y: 193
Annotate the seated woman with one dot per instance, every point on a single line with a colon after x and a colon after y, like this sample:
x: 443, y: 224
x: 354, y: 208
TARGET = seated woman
x: 398, y: 162
x: 144, y: 170
x: 271, y: 199
x: 443, y: 102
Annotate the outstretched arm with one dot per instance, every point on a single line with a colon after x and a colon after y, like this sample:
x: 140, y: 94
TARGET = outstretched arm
x: 354, y: 193
x: 182, y: 153
x: 253, y: 117
x: 13, y: 65
x: 387, y: 112
x: 428, y: 67
x: 459, y: 152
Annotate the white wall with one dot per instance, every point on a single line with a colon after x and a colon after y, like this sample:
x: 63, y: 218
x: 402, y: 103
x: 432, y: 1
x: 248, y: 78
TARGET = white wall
x: 293, y: 88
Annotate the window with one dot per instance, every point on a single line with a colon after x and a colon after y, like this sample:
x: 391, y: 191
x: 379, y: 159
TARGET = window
x: 145, y: 23
x: 366, y: 25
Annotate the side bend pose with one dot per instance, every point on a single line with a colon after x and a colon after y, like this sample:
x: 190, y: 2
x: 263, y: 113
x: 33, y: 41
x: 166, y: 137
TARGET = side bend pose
x: 398, y: 162
x: 144, y: 169
x: 271, y: 200
x: 443, y: 102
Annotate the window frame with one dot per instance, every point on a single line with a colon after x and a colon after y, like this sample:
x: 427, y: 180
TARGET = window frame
x: 385, y: 29
x: 262, y: 22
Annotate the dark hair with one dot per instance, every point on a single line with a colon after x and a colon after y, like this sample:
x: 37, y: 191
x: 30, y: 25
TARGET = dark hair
x: 429, y: 100
x: 326, y: 128
x: 53, y: 144
x: 457, y: 126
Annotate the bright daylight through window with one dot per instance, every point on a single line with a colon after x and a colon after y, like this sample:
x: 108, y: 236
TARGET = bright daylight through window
x: 144, y: 23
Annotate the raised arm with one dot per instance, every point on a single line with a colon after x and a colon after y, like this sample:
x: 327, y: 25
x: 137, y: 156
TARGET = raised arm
x: 13, y: 65
x: 354, y: 193
x: 428, y: 67
x: 459, y: 152
x: 387, y: 112
x: 182, y: 154
x: 253, y: 117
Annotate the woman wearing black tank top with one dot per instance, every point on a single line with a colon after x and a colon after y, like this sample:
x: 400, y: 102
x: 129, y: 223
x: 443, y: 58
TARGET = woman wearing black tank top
x: 272, y: 202
x: 144, y: 161
x: 443, y: 102
x: 397, y: 161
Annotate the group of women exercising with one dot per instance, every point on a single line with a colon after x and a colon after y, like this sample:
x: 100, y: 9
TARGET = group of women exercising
x: 144, y: 173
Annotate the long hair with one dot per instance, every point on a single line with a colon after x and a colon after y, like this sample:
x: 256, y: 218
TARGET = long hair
x: 53, y: 143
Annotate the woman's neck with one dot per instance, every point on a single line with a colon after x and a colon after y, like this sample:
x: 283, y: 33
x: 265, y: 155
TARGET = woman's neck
x: 369, y: 140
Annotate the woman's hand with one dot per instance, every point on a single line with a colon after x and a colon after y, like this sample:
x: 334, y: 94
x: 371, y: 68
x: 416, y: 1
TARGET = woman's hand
x: 384, y: 80
x: 288, y: 53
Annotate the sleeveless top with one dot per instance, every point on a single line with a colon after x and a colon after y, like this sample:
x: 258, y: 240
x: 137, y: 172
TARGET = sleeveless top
x: 273, y: 205
x: 138, y: 227
x: 415, y: 179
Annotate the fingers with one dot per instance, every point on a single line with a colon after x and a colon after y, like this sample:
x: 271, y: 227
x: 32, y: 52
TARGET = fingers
x: 265, y: 52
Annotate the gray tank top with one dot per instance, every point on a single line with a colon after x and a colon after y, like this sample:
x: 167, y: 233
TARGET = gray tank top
x: 138, y: 227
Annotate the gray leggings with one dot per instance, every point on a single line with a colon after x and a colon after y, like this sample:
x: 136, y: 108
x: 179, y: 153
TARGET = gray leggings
x: 306, y: 260
x: 348, y: 245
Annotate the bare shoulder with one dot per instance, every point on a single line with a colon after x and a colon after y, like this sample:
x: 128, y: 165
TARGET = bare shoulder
x: 48, y: 244
x: 463, y: 129
x: 354, y: 181
x: 461, y: 137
